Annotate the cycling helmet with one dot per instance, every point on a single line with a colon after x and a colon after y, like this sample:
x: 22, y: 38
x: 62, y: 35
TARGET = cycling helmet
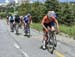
x: 28, y: 14
x: 50, y: 13
x: 53, y: 12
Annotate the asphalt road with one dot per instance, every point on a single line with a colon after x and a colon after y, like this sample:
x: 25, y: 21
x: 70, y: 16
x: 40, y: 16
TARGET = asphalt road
x: 12, y: 45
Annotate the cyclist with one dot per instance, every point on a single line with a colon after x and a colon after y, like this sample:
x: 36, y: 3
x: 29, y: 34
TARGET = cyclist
x: 27, y: 22
x: 11, y: 20
x: 48, y: 25
x: 17, y: 23
x: 21, y: 19
x: 7, y: 19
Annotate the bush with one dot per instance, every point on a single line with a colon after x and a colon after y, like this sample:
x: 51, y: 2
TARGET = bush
x: 2, y: 14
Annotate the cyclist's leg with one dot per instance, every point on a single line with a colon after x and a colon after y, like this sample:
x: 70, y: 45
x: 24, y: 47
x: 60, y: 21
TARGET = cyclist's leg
x: 28, y: 29
x: 45, y: 38
x: 51, y: 25
x: 52, y: 29
x: 20, y: 25
x: 25, y: 28
x: 11, y: 26
x: 17, y: 28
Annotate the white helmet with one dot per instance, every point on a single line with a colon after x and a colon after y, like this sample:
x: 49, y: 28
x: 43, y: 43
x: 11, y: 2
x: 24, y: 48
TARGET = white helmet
x: 53, y: 12
x: 50, y: 13
x: 28, y: 14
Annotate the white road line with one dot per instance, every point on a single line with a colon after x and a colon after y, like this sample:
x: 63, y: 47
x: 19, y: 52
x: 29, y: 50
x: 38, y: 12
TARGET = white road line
x: 18, y: 47
x: 25, y: 54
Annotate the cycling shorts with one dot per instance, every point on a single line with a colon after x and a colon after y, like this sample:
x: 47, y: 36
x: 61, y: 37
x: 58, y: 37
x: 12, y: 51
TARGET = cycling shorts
x: 11, y: 21
x: 48, y: 25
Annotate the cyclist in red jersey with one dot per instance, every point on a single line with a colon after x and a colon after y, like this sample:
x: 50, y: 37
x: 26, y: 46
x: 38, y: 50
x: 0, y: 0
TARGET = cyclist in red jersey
x: 48, y: 25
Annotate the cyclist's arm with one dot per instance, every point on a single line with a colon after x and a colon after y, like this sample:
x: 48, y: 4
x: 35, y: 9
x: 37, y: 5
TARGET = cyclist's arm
x: 30, y: 19
x: 14, y: 20
x: 24, y: 22
x: 20, y: 20
x: 57, y: 24
x: 42, y: 23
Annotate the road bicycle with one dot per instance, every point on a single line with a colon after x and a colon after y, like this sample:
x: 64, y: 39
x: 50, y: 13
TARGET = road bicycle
x: 12, y: 26
x: 52, y: 42
x: 27, y: 30
x: 16, y: 28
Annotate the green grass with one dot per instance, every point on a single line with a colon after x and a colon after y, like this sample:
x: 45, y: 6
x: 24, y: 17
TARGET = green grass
x: 36, y: 26
x: 70, y: 30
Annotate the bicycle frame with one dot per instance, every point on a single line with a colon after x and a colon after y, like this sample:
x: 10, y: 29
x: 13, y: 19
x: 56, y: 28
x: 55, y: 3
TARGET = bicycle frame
x: 52, y: 40
x: 27, y: 29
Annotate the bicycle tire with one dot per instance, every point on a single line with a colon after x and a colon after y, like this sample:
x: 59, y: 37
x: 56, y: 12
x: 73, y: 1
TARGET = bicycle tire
x: 27, y: 31
x: 55, y: 41
x: 51, y: 42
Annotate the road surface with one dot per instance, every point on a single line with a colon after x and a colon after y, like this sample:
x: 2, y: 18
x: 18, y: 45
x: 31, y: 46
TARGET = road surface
x: 12, y: 45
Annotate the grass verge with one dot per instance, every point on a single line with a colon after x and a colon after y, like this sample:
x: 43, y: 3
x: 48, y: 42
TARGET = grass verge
x: 36, y: 26
x: 70, y: 30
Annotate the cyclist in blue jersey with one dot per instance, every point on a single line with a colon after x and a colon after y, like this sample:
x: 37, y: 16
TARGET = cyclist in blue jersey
x: 27, y: 22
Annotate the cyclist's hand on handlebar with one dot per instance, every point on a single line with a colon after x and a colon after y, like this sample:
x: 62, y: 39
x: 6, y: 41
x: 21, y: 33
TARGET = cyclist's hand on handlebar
x: 46, y: 30
x: 57, y: 31
x: 13, y: 22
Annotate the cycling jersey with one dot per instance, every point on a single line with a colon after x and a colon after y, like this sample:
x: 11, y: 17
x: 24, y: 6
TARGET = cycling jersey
x: 17, y: 19
x: 11, y: 19
x: 47, y: 21
x: 26, y: 19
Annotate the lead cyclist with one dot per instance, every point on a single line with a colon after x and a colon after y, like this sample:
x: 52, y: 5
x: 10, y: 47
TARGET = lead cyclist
x: 48, y: 24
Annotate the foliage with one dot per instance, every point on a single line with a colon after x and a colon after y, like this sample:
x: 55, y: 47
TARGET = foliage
x: 64, y: 11
x: 70, y: 30
x: 67, y: 15
x: 52, y: 5
x: 2, y: 14
x: 36, y: 9
x: 36, y: 26
x: 24, y: 8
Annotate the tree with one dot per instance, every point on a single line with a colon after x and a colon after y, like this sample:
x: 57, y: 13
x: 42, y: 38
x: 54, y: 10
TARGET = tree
x: 67, y: 14
x: 38, y: 11
x: 24, y: 9
x: 51, y: 5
